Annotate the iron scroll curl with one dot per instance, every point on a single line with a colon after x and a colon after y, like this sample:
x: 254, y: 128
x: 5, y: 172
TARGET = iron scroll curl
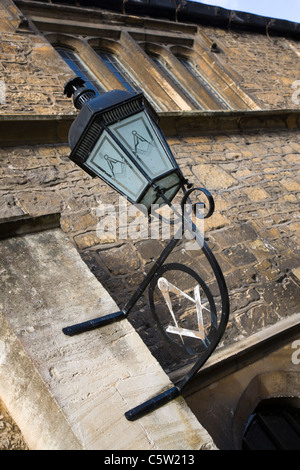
x: 216, y: 333
x: 209, y: 197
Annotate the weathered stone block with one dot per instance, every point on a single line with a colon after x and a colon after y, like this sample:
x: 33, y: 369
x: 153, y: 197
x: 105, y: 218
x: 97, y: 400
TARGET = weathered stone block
x: 256, y: 194
x: 236, y: 234
x: 149, y: 250
x: 238, y: 255
x: 122, y: 260
x: 39, y: 202
x: 213, y: 177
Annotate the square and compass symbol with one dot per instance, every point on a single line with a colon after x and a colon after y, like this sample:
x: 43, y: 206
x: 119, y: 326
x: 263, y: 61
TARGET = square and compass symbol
x: 184, y: 309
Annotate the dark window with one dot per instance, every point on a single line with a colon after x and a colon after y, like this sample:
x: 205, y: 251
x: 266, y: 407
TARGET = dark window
x: 80, y: 69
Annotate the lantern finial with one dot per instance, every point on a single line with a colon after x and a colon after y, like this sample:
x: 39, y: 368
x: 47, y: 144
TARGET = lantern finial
x: 81, y: 94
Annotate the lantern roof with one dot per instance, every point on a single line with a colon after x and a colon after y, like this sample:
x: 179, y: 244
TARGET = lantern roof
x: 111, y: 106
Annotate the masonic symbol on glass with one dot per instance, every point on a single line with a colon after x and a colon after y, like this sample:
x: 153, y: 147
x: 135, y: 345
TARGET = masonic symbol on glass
x: 116, y: 167
x: 141, y: 147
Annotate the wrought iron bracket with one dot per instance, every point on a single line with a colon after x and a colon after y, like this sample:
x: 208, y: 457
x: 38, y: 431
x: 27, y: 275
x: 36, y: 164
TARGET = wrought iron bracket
x: 217, y: 326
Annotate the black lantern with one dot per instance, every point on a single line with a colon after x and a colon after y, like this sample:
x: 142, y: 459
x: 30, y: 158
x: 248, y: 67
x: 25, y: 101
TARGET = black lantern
x: 116, y: 137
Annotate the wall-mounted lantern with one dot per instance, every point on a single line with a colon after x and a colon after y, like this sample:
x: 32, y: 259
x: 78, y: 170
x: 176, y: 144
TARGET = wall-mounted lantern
x: 116, y: 137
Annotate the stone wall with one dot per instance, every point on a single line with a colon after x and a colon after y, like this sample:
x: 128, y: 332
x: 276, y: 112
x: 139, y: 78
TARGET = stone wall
x: 252, y: 174
x: 34, y: 74
x: 254, y: 231
x: 266, y: 66
x: 10, y: 435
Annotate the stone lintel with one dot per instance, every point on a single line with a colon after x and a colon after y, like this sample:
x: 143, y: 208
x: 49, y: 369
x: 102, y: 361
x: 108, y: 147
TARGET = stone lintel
x: 25, y: 129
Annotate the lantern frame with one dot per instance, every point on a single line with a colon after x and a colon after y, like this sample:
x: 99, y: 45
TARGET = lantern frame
x: 98, y: 114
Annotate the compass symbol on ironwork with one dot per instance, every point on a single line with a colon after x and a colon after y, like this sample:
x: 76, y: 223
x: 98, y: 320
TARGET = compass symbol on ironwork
x: 186, y: 317
x: 166, y: 288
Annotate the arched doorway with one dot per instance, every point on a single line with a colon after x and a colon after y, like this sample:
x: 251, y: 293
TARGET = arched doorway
x: 267, y: 416
x: 274, y: 425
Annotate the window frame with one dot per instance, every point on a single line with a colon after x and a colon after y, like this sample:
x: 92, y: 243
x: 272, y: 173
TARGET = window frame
x: 157, y: 87
x: 193, y: 69
x: 162, y: 65
x: 122, y: 74
x: 84, y: 72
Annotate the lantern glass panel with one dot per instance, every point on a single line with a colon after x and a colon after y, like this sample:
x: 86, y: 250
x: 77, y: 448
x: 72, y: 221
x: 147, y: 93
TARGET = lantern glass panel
x: 138, y: 136
x: 171, y: 185
x: 109, y: 162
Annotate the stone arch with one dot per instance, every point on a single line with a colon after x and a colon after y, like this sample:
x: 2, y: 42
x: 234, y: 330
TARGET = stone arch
x: 109, y: 45
x: 89, y: 57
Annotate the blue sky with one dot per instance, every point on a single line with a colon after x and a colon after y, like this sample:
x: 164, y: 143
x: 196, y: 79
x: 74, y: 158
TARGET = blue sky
x: 283, y: 9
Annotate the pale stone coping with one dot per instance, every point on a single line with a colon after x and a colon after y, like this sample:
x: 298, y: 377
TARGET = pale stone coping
x: 255, y: 339
x: 72, y: 392
x: 267, y: 113
x: 97, y: 14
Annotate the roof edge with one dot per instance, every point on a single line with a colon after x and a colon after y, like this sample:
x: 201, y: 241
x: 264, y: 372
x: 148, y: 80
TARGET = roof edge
x: 191, y: 12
